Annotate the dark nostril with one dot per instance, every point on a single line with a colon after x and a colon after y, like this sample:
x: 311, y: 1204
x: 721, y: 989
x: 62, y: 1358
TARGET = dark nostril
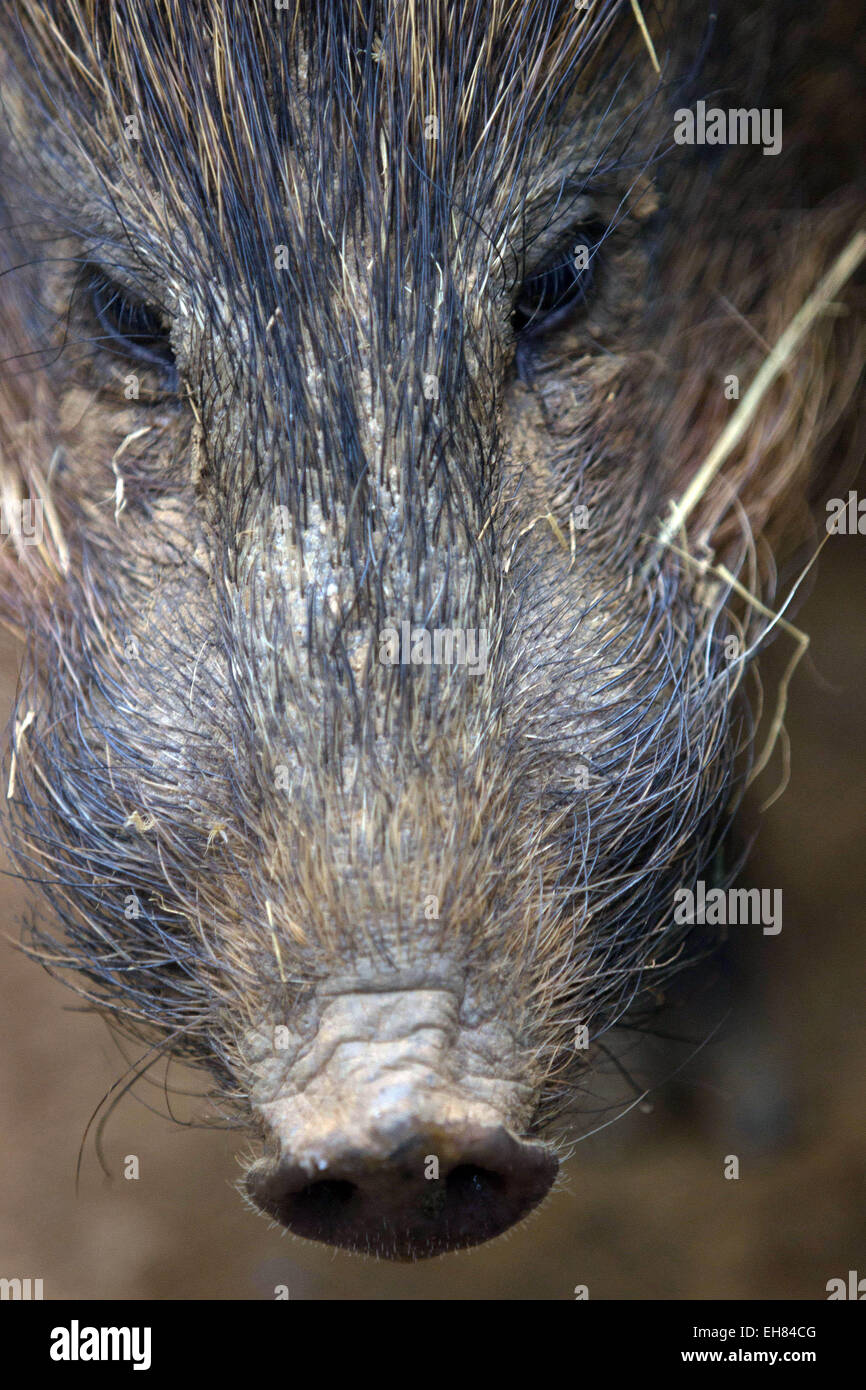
x: 323, y: 1199
x: 469, y: 1183
x: 390, y: 1204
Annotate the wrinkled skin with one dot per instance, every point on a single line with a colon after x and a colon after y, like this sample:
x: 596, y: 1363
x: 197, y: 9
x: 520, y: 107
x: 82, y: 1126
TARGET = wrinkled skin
x: 378, y: 900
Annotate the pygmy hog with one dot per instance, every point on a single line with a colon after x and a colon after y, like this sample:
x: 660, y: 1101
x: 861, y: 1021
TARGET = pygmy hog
x: 353, y: 353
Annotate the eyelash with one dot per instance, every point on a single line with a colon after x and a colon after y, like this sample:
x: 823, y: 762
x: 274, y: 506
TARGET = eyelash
x: 554, y: 289
x: 130, y: 328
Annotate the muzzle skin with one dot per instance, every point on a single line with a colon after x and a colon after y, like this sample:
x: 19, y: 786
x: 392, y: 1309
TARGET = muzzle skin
x: 393, y: 1132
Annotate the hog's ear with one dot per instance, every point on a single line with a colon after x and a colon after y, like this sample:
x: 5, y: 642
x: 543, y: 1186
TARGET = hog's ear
x: 764, y: 230
x: 753, y: 282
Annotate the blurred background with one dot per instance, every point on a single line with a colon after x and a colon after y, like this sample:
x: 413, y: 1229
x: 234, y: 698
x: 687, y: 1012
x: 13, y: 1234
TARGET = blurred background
x: 644, y: 1210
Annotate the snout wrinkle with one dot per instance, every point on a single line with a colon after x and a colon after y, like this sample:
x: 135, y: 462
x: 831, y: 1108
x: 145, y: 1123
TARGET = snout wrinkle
x: 396, y: 1133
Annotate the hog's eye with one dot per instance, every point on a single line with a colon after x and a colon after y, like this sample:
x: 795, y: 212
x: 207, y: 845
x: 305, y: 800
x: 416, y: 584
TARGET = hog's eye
x: 558, y: 286
x: 129, y: 326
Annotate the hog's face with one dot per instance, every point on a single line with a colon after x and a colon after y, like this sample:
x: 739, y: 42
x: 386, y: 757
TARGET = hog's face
x: 367, y: 753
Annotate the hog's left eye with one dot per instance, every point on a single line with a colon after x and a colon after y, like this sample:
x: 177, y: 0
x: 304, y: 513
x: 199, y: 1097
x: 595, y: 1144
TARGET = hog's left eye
x: 556, y: 288
x: 129, y: 326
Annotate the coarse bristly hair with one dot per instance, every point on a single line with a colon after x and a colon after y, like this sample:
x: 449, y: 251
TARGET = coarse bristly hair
x: 329, y: 209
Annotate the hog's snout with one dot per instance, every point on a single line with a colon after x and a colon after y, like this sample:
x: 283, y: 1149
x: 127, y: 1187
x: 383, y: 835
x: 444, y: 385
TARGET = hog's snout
x: 425, y: 1191
x: 393, y: 1135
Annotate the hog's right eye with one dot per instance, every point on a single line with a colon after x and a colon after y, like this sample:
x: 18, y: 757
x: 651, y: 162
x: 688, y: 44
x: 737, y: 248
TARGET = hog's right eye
x: 130, y: 327
x: 558, y: 286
